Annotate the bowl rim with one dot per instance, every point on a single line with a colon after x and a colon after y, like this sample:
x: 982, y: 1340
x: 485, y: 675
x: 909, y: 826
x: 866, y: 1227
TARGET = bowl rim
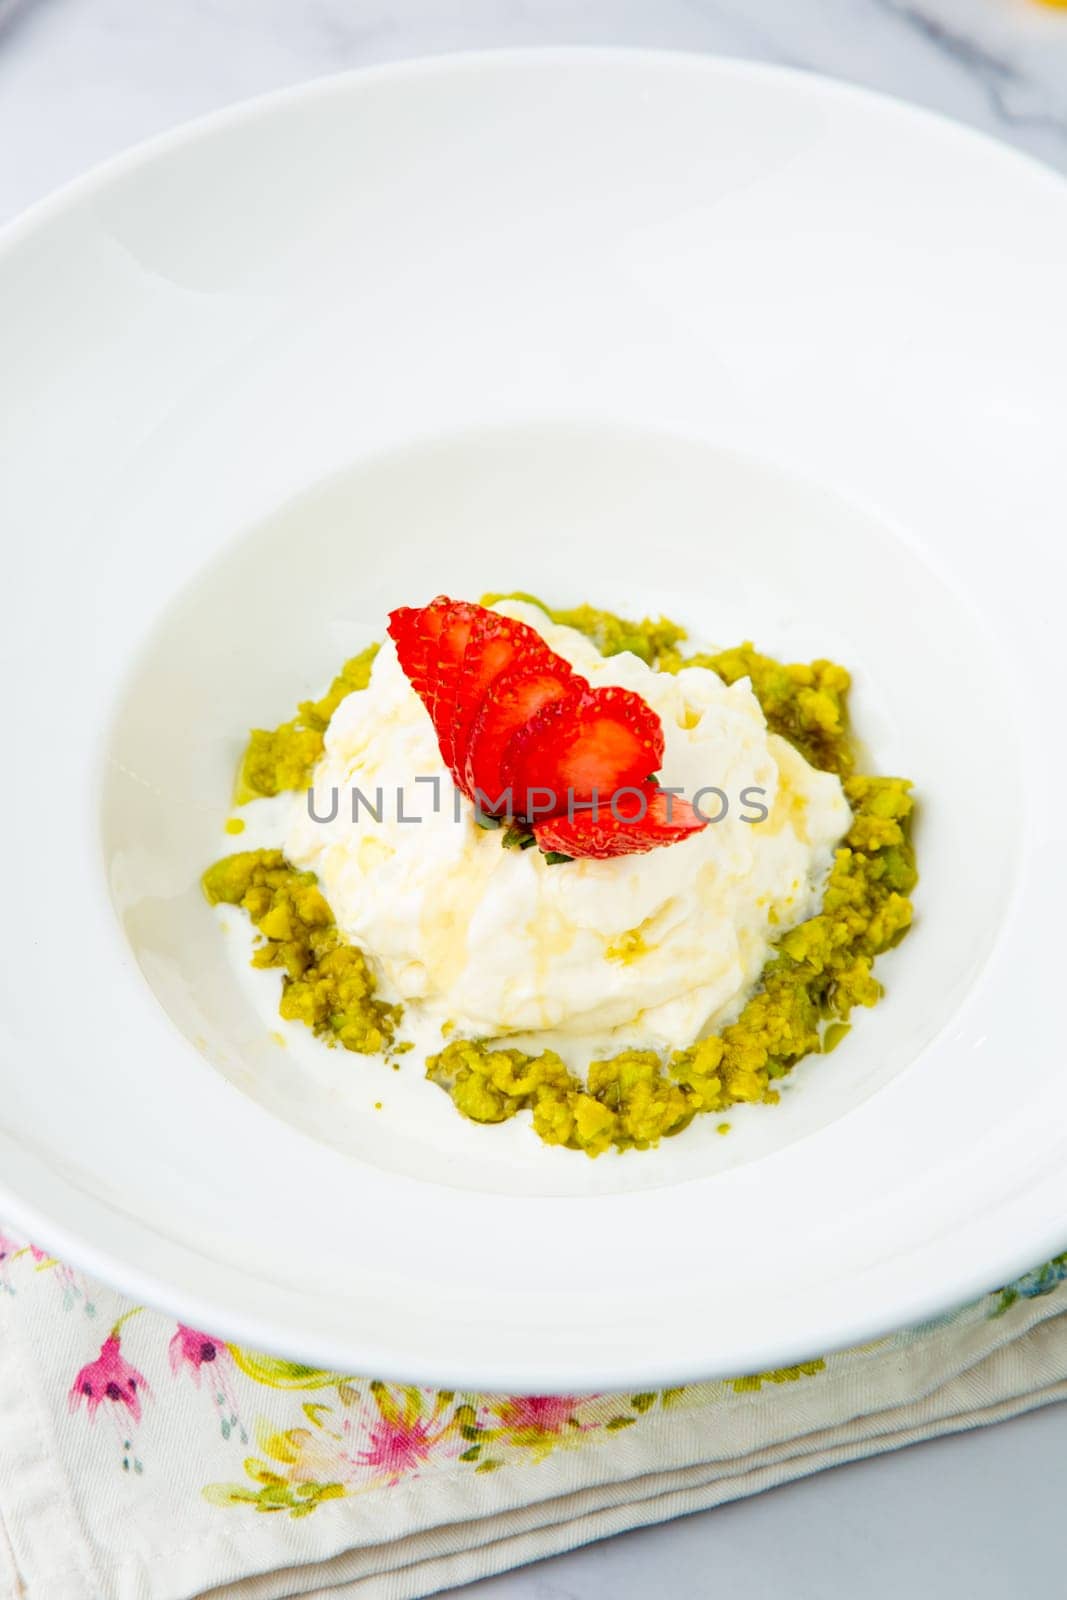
x: 248, y: 107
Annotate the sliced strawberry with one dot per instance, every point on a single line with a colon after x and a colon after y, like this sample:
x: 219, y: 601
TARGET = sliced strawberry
x: 510, y: 713
x: 496, y: 645
x: 584, y: 746
x: 458, y: 620
x: 513, y: 698
x: 625, y: 834
x: 414, y: 630
x: 406, y: 635
x: 452, y: 652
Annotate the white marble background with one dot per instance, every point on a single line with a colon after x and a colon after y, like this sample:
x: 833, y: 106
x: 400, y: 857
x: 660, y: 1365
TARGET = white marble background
x: 970, y: 1518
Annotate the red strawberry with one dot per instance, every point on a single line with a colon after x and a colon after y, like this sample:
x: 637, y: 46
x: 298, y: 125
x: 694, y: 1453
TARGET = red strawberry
x: 513, y: 698
x: 459, y: 619
x: 588, y: 744
x: 414, y: 630
x: 496, y: 645
x: 452, y: 652
x: 629, y: 833
x: 510, y: 713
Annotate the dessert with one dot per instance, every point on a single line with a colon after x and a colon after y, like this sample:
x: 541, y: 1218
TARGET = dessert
x: 562, y: 868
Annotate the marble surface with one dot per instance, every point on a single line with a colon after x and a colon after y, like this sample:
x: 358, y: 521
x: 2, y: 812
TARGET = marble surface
x: 968, y: 1518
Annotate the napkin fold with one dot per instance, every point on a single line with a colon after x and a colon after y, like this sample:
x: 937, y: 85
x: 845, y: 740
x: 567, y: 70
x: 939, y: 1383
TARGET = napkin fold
x: 144, y: 1460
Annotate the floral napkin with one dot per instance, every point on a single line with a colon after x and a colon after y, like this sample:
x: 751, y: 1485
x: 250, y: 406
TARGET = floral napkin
x: 144, y: 1460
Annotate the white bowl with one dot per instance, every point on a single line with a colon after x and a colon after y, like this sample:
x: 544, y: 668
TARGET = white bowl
x: 776, y: 356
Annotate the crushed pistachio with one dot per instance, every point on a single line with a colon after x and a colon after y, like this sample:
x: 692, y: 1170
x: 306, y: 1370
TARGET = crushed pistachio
x: 326, y: 983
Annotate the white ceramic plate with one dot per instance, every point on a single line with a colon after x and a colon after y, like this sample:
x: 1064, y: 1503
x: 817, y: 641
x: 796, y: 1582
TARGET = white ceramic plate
x: 782, y: 358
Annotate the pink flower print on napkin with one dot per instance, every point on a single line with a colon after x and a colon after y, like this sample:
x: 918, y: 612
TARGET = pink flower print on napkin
x: 539, y: 1423
x: 195, y: 1350
x: 539, y: 1413
x: 397, y: 1447
x: 110, y: 1377
x: 408, y: 1429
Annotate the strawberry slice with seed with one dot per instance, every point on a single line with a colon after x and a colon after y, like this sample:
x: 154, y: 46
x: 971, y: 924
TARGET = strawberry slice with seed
x: 415, y: 631
x: 451, y: 652
x: 638, y: 823
x: 496, y: 645
x: 456, y: 629
x: 514, y: 697
x: 582, y: 747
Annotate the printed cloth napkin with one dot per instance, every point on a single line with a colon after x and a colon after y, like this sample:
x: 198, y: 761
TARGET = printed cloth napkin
x: 144, y: 1460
